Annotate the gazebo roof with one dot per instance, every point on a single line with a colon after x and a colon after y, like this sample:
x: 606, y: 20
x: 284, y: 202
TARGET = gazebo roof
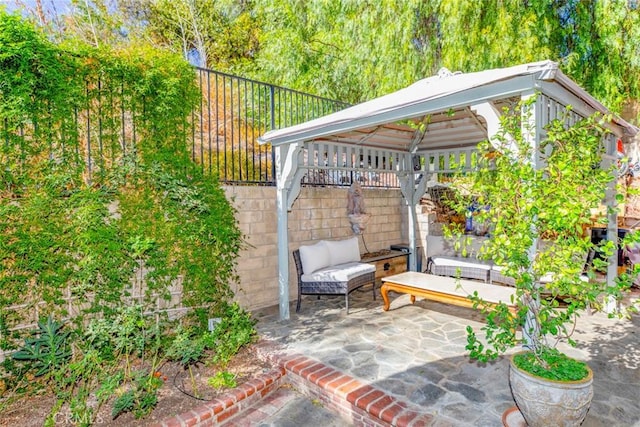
x: 445, y: 102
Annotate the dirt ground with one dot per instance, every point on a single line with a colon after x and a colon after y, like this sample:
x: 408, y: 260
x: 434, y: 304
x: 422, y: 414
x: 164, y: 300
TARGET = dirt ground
x: 174, y: 397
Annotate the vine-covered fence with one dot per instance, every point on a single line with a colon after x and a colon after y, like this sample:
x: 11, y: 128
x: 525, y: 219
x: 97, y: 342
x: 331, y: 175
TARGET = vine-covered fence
x: 101, y: 204
x: 115, y: 247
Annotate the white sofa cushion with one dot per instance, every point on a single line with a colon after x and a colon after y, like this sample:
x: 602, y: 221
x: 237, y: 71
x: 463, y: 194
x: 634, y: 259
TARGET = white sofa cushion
x: 343, y: 251
x: 314, y: 257
x: 449, y: 261
x: 339, y: 273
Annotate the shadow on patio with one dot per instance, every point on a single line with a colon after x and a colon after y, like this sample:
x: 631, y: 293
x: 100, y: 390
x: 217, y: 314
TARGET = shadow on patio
x: 416, y: 354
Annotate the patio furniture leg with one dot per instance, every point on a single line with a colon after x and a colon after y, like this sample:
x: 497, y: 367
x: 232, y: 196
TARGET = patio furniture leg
x: 385, y: 297
x: 298, y: 305
x: 346, y: 299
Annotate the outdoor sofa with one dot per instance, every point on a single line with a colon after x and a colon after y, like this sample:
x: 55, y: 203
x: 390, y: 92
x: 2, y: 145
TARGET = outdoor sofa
x: 473, y: 268
x: 332, y: 267
x: 467, y: 268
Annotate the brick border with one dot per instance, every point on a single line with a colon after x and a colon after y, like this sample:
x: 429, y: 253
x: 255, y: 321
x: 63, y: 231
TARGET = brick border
x: 234, y: 402
x: 353, y: 400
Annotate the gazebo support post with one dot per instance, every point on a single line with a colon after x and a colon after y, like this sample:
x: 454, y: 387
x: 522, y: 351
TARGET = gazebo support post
x: 412, y: 193
x: 413, y: 222
x: 532, y: 131
x: 287, y: 190
x: 283, y: 252
x: 611, y: 305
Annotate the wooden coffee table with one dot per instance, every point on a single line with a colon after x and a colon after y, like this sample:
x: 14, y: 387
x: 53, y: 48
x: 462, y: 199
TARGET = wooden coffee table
x: 448, y: 290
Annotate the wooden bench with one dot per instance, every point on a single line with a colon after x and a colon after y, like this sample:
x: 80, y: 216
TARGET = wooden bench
x: 444, y: 289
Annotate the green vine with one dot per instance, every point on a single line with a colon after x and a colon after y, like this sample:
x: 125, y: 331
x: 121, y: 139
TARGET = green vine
x: 104, y: 217
x: 98, y: 187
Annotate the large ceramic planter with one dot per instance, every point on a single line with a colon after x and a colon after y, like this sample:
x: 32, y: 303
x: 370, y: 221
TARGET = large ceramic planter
x: 544, y: 402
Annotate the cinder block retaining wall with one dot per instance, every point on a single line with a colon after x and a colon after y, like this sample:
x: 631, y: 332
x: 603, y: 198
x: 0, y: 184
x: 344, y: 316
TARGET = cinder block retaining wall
x: 318, y: 213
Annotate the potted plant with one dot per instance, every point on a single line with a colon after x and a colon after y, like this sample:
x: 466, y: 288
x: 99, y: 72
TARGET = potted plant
x: 538, y: 203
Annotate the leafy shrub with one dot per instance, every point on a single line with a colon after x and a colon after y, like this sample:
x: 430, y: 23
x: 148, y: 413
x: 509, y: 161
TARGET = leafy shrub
x: 127, y: 332
x: 141, y: 398
x: 236, y: 329
x: 186, y: 349
x: 48, y: 350
x: 559, y: 367
x: 222, y: 379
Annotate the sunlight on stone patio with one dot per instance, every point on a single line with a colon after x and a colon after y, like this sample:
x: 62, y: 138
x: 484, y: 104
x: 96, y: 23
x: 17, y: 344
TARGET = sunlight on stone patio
x: 417, y: 354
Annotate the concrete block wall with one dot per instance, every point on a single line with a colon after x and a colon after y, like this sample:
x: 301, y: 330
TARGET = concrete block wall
x: 258, y: 262
x: 318, y: 213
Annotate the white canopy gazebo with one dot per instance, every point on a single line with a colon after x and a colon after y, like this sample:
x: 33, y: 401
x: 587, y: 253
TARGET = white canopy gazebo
x: 430, y: 127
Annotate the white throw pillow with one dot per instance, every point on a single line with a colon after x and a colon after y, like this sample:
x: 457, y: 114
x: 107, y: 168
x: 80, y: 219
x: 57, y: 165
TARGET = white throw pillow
x: 344, y: 251
x: 314, y: 257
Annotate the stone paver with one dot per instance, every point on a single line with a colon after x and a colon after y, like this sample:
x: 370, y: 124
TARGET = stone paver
x: 286, y: 408
x: 417, y: 354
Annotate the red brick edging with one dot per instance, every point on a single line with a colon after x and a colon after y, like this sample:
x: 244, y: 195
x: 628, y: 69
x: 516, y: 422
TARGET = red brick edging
x: 353, y: 400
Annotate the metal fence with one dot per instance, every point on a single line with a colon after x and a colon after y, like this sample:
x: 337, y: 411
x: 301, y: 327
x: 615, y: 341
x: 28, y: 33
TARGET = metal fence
x: 234, y: 112
x: 222, y: 131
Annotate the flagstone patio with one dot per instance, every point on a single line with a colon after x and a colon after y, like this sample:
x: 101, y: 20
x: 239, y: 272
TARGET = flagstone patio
x: 416, y: 353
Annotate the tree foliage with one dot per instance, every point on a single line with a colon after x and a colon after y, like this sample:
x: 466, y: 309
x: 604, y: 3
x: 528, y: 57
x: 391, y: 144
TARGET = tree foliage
x: 355, y: 50
x: 222, y: 32
x: 349, y: 50
x: 219, y: 34
x: 537, y: 199
x: 483, y: 35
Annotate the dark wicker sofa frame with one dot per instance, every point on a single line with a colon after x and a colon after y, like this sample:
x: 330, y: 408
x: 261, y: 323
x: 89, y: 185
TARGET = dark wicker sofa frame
x: 464, y: 272
x: 331, y: 288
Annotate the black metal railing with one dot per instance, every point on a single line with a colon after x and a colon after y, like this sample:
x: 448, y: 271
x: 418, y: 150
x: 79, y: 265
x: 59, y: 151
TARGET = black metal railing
x: 234, y: 112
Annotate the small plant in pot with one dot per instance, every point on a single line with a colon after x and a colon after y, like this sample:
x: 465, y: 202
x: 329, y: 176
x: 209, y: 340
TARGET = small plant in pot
x: 538, y: 204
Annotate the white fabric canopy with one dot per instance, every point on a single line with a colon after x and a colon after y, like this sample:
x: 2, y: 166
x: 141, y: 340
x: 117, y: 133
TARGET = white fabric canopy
x: 422, y: 98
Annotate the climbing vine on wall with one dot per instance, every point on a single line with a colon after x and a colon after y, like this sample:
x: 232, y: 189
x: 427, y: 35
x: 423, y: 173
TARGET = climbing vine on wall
x: 99, y: 198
